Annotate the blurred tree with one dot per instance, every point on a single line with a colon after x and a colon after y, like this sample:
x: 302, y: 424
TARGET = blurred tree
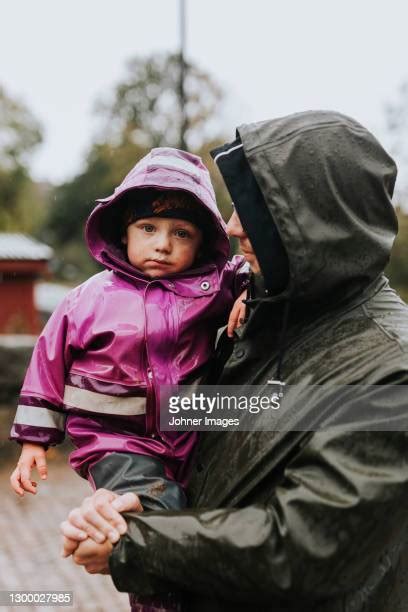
x: 397, y: 126
x: 106, y: 165
x: 143, y: 113
x: 396, y: 114
x: 21, y: 201
x: 145, y: 106
x: 397, y: 270
x: 20, y: 132
x: 221, y: 192
x: 397, y: 120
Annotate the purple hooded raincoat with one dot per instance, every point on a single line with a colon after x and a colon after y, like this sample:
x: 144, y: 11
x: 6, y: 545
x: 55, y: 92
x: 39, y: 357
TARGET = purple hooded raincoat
x: 97, y: 366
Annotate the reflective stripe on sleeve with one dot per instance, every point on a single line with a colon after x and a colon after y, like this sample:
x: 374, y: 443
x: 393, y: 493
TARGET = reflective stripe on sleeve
x: 39, y: 417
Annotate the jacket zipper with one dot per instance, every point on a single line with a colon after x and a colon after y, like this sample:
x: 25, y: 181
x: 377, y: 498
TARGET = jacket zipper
x: 150, y: 390
x: 150, y: 403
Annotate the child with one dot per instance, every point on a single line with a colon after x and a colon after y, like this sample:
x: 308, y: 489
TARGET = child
x: 149, y: 319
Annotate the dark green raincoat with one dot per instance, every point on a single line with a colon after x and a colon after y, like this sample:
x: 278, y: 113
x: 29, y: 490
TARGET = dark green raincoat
x: 302, y: 521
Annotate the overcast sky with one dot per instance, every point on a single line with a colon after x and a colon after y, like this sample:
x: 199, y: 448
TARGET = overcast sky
x: 272, y: 58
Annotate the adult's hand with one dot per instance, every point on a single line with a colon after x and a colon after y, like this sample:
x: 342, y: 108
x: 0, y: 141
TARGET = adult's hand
x: 98, y: 518
x: 94, y: 557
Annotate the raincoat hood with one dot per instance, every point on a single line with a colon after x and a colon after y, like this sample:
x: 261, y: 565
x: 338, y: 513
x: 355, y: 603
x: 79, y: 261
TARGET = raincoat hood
x: 163, y: 168
x: 327, y: 183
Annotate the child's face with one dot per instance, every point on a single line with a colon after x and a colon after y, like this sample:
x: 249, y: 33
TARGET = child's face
x: 158, y: 246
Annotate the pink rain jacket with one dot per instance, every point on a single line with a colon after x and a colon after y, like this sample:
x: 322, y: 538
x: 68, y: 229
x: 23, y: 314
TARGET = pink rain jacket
x: 97, y: 366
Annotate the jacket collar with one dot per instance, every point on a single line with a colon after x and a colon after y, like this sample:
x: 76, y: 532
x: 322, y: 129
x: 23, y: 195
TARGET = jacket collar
x: 201, y: 282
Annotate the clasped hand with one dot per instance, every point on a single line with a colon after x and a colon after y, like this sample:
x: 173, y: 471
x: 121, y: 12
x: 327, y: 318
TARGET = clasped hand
x: 92, y: 529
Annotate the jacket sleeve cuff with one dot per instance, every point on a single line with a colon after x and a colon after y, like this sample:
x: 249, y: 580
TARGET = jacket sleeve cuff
x: 129, y: 573
x: 38, y: 421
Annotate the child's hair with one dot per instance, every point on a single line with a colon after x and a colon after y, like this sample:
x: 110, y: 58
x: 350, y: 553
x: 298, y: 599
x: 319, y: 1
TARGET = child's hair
x: 169, y: 203
x: 148, y: 202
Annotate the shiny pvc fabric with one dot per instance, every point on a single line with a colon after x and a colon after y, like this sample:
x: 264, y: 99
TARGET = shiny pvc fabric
x: 144, y: 476
x: 98, y: 365
x: 302, y: 521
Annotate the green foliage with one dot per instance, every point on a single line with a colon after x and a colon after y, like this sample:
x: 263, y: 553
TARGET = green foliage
x: 221, y: 192
x: 20, y: 132
x: 106, y: 166
x: 145, y: 107
x: 397, y: 270
x: 21, y: 201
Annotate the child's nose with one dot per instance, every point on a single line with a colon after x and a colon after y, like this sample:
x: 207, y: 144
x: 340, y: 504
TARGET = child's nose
x: 163, y: 242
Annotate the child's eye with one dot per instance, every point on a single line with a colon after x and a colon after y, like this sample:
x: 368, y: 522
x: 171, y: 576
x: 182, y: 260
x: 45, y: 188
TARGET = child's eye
x: 148, y: 228
x: 181, y: 233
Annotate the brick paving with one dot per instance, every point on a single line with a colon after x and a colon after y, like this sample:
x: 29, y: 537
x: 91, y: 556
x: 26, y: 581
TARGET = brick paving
x: 30, y: 543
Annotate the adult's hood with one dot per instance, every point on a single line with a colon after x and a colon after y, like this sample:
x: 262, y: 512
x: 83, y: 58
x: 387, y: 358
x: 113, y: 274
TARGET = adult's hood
x: 162, y: 168
x: 327, y: 184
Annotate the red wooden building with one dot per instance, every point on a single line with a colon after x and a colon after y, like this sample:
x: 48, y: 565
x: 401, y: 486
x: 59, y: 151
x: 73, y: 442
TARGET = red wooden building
x: 23, y: 260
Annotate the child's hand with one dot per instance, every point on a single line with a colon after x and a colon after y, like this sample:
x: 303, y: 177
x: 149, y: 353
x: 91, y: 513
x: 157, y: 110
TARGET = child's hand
x: 237, y: 314
x: 20, y: 480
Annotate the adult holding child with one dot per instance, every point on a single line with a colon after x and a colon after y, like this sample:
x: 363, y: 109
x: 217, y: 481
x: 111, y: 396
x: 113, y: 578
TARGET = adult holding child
x: 297, y: 521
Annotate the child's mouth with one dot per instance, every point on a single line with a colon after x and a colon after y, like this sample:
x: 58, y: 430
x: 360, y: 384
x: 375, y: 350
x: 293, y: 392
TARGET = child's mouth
x: 158, y: 262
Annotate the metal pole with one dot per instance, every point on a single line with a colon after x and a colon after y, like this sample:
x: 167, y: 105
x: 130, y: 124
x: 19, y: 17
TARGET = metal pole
x: 182, y: 95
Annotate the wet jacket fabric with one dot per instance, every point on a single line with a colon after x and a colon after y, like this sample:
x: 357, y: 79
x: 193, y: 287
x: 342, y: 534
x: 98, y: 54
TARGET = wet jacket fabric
x: 303, y: 521
x: 98, y: 365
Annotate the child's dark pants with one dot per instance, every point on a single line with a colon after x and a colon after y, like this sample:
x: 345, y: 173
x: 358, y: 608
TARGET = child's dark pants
x: 145, y: 476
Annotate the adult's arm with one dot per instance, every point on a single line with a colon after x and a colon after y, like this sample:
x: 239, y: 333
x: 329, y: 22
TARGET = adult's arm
x: 320, y: 533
